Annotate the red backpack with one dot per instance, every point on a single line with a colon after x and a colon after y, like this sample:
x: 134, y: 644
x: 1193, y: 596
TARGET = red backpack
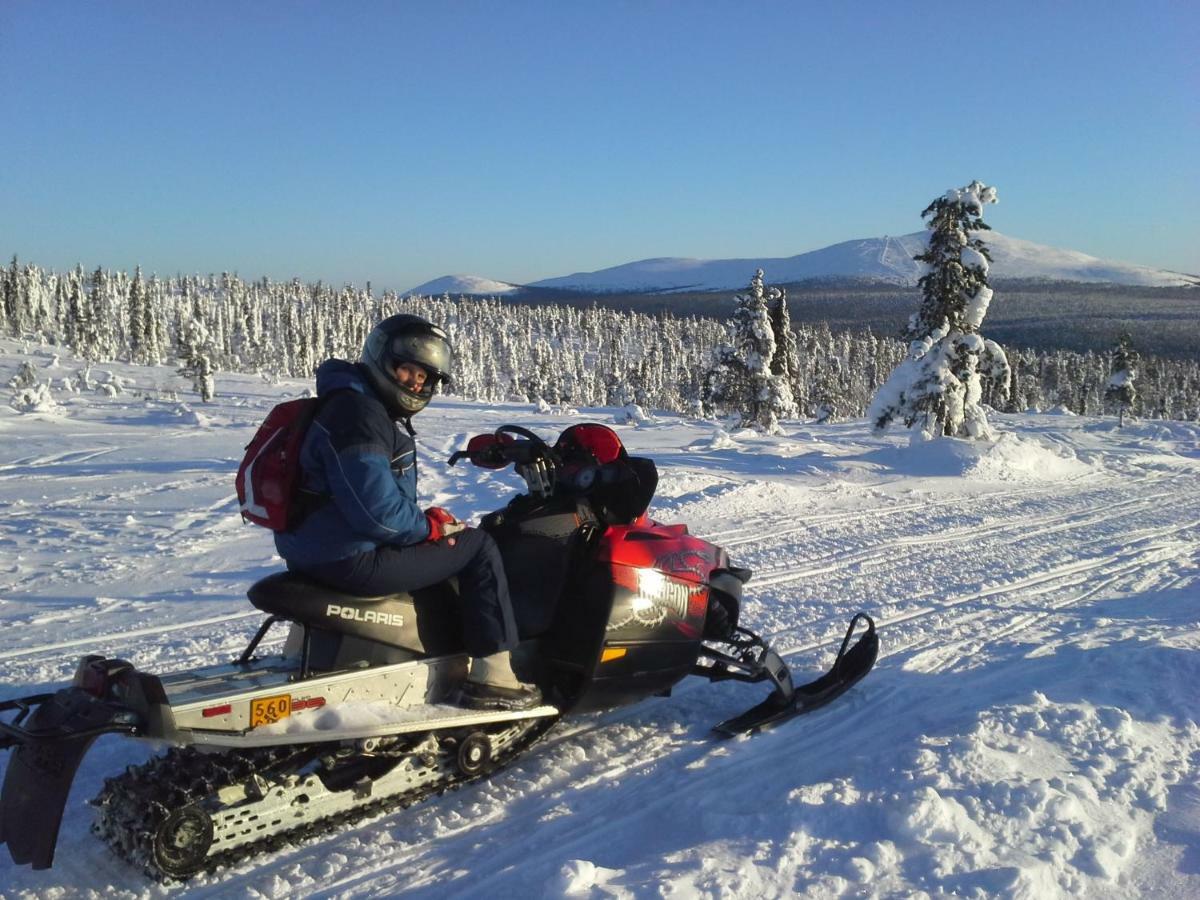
x: 268, y: 480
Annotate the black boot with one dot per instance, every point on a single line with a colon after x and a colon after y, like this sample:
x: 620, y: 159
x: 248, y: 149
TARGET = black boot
x: 492, y: 684
x: 473, y: 695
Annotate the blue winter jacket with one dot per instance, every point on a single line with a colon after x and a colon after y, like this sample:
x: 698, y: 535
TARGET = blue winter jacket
x: 355, y: 454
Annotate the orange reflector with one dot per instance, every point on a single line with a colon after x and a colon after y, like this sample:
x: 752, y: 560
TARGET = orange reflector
x: 217, y: 711
x: 612, y: 653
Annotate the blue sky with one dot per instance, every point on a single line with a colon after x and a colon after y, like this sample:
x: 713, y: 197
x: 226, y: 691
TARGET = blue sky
x: 397, y: 142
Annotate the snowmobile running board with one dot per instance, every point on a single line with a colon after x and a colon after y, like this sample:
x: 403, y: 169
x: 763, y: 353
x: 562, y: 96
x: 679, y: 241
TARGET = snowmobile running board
x: 757, y: 662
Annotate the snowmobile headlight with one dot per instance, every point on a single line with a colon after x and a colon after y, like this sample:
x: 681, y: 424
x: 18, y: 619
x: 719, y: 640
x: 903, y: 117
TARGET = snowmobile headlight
x: 640, y: 603
x: 651, y: 582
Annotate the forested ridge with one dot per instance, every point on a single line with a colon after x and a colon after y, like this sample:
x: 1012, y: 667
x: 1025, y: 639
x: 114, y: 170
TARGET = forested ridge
x: 559, y: 354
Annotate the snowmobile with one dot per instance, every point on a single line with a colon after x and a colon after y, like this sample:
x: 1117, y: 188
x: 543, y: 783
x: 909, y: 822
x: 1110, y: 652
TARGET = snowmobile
x: 356, y: 714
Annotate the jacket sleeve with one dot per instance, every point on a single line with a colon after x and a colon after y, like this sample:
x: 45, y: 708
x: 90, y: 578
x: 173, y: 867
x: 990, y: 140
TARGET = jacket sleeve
x: 358, y: 472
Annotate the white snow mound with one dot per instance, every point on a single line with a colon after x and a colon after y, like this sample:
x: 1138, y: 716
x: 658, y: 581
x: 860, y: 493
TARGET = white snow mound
x: 1008, y: 458
x: 1011, y: 458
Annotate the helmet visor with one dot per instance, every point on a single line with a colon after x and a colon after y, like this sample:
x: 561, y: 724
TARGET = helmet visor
x: 428, y: 349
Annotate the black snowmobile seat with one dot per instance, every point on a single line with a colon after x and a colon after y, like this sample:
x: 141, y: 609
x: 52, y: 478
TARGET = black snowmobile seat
x: 424, y: 621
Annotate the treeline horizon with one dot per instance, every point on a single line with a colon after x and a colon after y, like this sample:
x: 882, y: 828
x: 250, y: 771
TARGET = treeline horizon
x: 1035, y: 314
x: 562, y: 354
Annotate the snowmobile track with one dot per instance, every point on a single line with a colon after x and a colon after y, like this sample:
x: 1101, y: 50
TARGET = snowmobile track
x: 133, y: 806
x: 1078, y: 573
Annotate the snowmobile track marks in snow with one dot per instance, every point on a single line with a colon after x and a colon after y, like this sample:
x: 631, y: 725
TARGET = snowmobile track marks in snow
x: 118, y: 636
x: 1009, y: 532
x: 752, y: 531
x: 1081, y: 573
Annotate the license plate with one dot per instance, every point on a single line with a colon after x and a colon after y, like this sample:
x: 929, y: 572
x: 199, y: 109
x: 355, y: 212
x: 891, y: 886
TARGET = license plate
x: 268, y: 710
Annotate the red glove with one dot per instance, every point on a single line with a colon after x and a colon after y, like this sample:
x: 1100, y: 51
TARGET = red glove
x: 441, y: 523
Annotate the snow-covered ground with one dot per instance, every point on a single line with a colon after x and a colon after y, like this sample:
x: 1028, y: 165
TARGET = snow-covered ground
x: 1030, y: 729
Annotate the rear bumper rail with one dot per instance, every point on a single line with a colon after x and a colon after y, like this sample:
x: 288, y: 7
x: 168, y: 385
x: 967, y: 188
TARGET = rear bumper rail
x: 15, y: 731
x: 49, y: 736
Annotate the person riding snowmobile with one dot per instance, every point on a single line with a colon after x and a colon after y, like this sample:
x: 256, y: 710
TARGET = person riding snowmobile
x: 373, y: 539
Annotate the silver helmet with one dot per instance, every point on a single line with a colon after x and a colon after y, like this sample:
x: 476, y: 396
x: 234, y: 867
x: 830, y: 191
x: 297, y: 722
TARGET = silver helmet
x: 406, y: 339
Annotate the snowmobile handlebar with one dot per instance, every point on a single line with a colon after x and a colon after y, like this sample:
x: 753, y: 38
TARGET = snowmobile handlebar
x: 500, y: 449
x: 535, y: 460
x: 587, y: 459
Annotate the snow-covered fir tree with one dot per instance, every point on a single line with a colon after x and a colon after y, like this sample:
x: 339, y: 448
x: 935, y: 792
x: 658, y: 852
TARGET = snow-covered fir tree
x: 995, y: 375
x: 38, y: 297
x: 97, y: 335
x: 138, y: 326
x: 1120, y: 392
x: 193, y: 349
x: 829, y: 401
x: 739, y: 378
x: 937, y: 388
x: 75, y: 314
x: 8, y: 299
x: 26, y: 376
x: 785, y: 364
x: 156, y: 332
x: 205, y: 383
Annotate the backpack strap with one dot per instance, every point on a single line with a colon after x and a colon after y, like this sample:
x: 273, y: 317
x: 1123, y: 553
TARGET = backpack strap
x: 307, y: 501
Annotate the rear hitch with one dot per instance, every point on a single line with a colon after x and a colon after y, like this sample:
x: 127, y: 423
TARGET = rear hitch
x: 49, y: 734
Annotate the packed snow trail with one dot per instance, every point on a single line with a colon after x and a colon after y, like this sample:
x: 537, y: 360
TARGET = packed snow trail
x: 1030, y: 728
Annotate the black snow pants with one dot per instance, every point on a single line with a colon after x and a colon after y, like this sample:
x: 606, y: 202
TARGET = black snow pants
x: 486, y: 609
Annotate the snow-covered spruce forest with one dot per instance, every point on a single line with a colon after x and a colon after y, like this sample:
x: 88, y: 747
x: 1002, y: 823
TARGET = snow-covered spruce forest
x: 560, y: 355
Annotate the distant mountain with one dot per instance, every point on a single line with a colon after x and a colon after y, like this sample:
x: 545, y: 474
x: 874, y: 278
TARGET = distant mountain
x: 885, y: 259
x: 888, y: 259
x: 880, y: 259
x: 470, y: 285
x: 1014, y: 258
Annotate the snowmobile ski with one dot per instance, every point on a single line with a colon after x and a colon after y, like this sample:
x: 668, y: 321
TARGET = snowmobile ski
x: 788, y: 701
